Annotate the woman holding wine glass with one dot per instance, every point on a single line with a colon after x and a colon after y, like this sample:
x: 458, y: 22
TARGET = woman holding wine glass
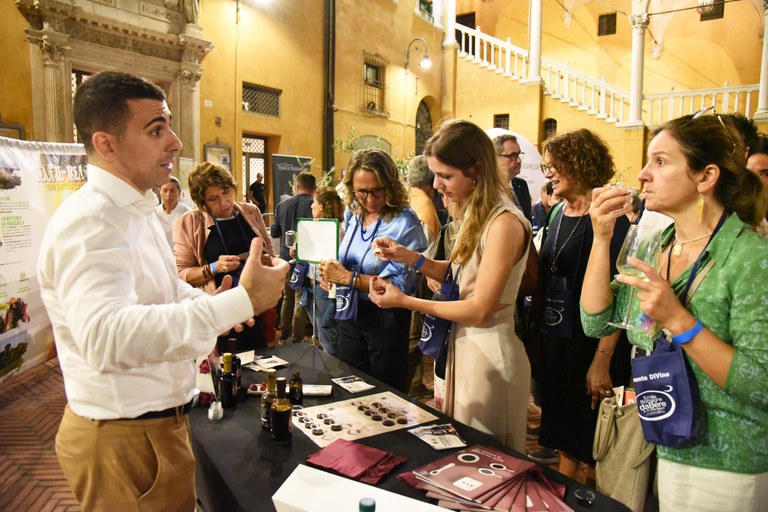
x: 696, y: 174
x: 576, y: 370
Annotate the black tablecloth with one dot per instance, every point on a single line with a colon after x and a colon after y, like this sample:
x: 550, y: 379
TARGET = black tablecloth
x: 240, y: 468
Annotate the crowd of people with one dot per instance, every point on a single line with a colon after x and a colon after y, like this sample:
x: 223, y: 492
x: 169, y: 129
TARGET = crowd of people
x: 109, y: 294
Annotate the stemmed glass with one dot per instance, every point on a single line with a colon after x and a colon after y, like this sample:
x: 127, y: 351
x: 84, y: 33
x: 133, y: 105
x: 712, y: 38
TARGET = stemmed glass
x: 643, y: 243
x: 290, y: 242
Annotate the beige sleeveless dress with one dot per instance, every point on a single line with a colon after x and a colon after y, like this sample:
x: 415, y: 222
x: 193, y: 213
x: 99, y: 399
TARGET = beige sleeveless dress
x: 488, y: 374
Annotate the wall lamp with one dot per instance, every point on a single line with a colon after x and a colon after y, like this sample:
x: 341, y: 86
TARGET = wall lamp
x: 418, y: 43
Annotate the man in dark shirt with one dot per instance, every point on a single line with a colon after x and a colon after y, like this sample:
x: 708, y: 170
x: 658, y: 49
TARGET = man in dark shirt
x: 292, y: 319
x: 257, y: 194
x: 510, y: 159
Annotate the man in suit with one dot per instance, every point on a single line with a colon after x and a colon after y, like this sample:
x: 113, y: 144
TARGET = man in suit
x: 510, y: 159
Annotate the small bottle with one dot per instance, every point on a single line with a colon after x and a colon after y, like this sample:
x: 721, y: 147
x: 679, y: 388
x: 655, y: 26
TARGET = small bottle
x: 267, y: 398
x: 296, y: 393
x: 367, y: 505
x: 227, y: 383
x: 236, y: 363
x: 282, y: 426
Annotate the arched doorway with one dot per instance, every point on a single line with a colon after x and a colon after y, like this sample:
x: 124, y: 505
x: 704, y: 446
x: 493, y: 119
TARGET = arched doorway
x: 423, y: 127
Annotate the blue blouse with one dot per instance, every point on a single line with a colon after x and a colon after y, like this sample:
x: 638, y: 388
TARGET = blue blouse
x: 355, y: 251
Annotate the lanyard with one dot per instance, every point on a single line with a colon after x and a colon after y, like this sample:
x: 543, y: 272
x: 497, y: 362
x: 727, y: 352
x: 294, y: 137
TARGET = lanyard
x: 697, y: 263
x: 368, y: 248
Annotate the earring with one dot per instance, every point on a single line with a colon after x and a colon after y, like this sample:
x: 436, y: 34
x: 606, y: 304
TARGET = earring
x: 474, y: 182
x: 700, y: 207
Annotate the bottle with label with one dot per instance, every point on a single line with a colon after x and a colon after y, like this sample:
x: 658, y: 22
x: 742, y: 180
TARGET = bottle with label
x: 227, y: 384
x: 268, y: 397
x: 296, y: 392
x: 236, y: 363
x: 282, y: 426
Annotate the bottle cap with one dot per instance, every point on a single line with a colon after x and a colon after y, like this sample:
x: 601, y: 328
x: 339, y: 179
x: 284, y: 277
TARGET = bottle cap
x: 367, y: 505
x: 227, y: 357
x: 281, y: 381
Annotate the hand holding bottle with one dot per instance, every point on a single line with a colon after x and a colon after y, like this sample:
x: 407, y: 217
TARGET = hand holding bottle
x: 385, y: 295
x: 387, y: 249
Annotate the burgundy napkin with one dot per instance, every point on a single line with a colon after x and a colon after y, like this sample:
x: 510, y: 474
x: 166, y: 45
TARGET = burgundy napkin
x: 356, y: 461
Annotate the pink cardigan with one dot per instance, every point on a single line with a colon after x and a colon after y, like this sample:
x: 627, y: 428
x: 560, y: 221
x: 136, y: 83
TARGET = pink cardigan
x: 190, y: 232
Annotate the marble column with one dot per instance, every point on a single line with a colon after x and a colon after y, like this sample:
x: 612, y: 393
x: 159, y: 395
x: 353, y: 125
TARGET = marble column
x: 761, y: 114
x: 57, y: 90
x: 534, y: 45
x: 639, y: 24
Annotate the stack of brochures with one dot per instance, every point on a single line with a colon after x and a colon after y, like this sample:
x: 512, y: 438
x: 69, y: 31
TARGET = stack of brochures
x: 484, y: 478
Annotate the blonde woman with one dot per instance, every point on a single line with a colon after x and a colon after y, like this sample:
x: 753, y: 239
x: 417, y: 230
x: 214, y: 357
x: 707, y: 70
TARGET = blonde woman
x: 487, y: 375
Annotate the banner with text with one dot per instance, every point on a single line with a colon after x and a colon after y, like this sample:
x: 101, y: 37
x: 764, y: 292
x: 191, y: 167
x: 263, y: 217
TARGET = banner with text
x: 284, y: 170
x: 35, y: 178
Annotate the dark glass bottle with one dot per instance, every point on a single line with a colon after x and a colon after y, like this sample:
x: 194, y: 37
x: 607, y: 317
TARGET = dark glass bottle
x: 367, y: 505
x: 296, y: 392
x: 236, y: 363
x: 282, y: 426
x: 227, y: 383
x: 267, y: 398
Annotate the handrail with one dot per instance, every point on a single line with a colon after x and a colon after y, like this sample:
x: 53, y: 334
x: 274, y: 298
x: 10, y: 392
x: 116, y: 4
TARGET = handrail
x: 596, y: 96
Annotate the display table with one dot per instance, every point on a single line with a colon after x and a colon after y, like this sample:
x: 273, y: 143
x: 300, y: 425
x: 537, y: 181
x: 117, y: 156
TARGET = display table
x: 240, y: 468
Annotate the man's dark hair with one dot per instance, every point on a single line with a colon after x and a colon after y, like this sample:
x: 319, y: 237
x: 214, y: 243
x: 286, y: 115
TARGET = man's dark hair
x: 744, y: 125
x: 305, y: 181
x: 759, y: 145
x: 101, y: 103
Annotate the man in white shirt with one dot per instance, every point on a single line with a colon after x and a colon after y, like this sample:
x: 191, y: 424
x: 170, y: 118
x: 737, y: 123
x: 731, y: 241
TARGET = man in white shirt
x: 126, y: 328
x: 170, y: 208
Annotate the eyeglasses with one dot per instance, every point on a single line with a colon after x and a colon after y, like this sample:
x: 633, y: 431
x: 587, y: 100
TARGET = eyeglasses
x: 514, y: 156
x: 377, y: 193
x: 703, y: 111
x: 545, y: 168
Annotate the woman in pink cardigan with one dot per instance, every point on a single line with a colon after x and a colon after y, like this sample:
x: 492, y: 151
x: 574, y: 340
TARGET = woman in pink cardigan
x: 210, y: 240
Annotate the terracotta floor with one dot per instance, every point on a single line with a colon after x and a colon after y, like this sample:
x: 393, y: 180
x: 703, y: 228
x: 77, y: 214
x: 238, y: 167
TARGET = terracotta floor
x: 31, y: 406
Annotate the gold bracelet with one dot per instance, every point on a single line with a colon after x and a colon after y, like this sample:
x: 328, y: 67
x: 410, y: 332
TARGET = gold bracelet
x: 207, y: 274
x: 604, y: 351
x: 356, y: 281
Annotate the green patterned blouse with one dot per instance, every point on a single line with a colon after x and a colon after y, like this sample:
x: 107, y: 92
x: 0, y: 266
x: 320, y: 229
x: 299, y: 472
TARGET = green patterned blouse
x: 732, y: 302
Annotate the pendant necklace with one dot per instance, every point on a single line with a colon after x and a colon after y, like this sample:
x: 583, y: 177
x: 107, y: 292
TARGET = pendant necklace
x: 678, y: 249
x: 555, y: 252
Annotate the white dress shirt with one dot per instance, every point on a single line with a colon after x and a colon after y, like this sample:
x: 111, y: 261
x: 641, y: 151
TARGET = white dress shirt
x: 126, y: 328
x: 169, y: 218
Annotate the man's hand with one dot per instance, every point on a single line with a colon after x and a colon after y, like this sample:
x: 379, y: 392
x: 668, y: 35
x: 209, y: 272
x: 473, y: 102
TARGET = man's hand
x: 264, y: 284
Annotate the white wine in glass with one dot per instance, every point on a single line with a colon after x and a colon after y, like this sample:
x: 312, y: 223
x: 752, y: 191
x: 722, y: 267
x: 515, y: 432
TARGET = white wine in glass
x: 643, y: 243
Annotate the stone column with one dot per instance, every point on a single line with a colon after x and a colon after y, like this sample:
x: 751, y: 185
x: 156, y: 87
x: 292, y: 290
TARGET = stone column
x: 534, y: 45
x: 761, y: 114
x: 639, y: 24
x: 57, y: 88
x: 187, y: 111
x: 449, y: 22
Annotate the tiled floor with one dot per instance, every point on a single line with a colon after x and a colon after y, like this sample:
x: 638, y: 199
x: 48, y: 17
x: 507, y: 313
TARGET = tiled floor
x: 31, y: 406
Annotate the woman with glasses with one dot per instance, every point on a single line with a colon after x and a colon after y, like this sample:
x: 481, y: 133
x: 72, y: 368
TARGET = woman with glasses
x: 576, y: 370
x: 376, y: 341
x: 487, y: 374
x: 210, y: 240
x: 696, y: 174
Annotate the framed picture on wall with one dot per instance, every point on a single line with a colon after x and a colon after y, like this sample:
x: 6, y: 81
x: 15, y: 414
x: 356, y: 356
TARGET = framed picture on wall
x: 219, y: 154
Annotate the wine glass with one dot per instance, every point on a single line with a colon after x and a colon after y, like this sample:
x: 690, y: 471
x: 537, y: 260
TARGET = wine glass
x: 643, y: 243
x: 290, y: 242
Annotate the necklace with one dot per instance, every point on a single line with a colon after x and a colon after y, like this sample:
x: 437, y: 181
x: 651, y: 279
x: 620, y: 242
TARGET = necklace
x: 678, y: 249
x: 228, y: 218
x: 373, y: 233
x: 555, y: 252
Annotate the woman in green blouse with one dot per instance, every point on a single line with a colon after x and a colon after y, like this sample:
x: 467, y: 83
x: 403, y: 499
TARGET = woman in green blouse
x: 696, y: 174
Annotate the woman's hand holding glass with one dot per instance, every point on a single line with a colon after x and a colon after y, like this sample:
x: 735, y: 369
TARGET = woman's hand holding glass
x: 385, y: 295
x: 656, y: 297
x: 642, y: 245
x: 608, y: 204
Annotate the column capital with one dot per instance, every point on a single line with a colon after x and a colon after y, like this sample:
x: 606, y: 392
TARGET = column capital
x: 642, y: 20
x: 189, y: 77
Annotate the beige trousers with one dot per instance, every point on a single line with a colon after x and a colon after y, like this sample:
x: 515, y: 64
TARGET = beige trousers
x: 128, y: 465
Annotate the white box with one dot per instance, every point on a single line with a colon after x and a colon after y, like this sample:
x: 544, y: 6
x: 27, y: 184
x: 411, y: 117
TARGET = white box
x: 311, y: 490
